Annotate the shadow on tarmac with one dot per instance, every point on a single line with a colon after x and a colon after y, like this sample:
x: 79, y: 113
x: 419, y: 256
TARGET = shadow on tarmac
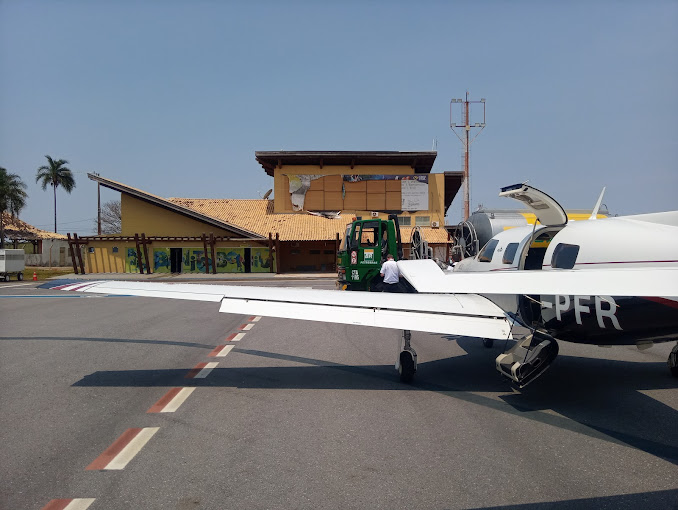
x: 599, y: 398
x: 658, y: 500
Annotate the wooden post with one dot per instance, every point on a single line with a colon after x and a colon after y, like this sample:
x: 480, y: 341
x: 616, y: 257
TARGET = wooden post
x: 140, y: 261
x: 270, y: 252
x: 207, y: 260
x: 79, y: 253
x: 214, y: 253
x: 144, y: 245
x: 70, y: 249
x: 447, y: 249
x: 277, y: 252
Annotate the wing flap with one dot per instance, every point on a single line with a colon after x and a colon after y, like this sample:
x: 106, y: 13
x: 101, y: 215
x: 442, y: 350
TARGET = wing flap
x: 491, y: 326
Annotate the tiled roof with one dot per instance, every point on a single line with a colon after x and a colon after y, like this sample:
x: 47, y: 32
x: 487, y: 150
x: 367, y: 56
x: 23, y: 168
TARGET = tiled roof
x: 20, y: 230
x: 258, y: 216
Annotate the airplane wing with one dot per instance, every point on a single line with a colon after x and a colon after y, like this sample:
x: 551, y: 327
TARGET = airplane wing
x: 426, y: 276
x: 464, y: 314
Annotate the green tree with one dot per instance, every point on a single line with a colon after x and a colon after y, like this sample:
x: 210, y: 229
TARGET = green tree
x: 55, y: 174
x: 12, y: 198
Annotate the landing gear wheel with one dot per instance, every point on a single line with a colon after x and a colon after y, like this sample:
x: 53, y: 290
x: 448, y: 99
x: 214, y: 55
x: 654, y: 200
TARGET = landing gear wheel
x: 20, y: 276
x: 673, y: 361
x: 406, y: 368
x: 488, y: 342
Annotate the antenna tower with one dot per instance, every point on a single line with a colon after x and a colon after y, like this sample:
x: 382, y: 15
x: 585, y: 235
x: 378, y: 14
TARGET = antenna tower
x: 462, y: 121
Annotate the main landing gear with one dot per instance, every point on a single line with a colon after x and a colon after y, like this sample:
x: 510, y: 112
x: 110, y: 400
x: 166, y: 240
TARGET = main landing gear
x: 528, y: 358
x: 406, y: 364
x: 673, y: 361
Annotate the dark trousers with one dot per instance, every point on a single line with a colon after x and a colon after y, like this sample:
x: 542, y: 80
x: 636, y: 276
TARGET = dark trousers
x: 392, y: 287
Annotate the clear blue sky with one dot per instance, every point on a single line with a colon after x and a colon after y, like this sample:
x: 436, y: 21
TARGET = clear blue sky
x: 174, y: 97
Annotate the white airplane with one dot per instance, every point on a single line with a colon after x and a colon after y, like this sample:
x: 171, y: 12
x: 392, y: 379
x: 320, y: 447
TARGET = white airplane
x: 612, y: 281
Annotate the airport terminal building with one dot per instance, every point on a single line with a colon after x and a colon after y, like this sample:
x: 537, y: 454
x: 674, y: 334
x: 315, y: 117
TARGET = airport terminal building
x: 315, y: 195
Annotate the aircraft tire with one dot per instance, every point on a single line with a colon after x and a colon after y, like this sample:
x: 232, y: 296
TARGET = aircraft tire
x: 673, y: 361
x: 406, y: 367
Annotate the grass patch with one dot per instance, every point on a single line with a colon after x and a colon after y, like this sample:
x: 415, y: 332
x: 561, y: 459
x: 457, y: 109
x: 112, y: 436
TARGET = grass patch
x: 43, y: 273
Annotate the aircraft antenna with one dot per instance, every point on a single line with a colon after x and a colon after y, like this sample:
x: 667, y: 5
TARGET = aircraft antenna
x: 464, y: 124
x: 594, y: 214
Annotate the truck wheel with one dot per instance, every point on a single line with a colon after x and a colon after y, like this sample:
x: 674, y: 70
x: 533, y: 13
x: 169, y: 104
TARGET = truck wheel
x: 6, y: 277
x: 20, y: 276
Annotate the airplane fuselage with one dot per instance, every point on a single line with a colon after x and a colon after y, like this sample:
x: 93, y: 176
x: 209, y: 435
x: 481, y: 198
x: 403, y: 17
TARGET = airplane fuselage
x: 600, y: 244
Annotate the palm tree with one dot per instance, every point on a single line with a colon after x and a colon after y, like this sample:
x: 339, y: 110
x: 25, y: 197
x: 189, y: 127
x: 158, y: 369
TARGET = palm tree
x: 12, y: 198
x: 55, y: 174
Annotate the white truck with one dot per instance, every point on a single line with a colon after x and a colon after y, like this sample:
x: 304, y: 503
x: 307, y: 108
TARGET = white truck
x: 12, y: 262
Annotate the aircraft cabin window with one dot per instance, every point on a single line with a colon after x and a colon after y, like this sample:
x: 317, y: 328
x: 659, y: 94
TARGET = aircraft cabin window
x: 487, y: 251
x: 564, y: 256
x: 509, y: 253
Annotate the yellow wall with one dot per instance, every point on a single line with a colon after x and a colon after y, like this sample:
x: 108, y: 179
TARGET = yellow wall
x: 141, y: 217
x: 103, y: 260
x: 361, y: 198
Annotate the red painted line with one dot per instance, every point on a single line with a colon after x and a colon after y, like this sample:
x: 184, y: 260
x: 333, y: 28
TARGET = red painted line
x: 195, y: 371
x: 109, y: 454
x: 242, y: 326
x: 231, y: 337
x: 627, y: 262
x: 81, y: 286
x: 251, y: 318
x: 57, y: 504
x: 663, y: 301
x: 216, y: 350
x: 160, y: 404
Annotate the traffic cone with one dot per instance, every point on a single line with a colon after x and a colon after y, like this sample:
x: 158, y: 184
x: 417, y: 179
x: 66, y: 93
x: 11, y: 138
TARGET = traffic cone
x: 35, y: 276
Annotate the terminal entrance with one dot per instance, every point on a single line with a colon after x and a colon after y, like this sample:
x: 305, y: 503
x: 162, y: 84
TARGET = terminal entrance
x: 175, y: 260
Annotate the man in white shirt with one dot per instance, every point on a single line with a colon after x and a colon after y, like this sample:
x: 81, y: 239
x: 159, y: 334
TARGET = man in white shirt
x: 391, y: 274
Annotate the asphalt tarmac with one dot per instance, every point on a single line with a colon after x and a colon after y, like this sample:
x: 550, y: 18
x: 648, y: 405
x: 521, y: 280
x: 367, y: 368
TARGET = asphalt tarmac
x: 308, y: 415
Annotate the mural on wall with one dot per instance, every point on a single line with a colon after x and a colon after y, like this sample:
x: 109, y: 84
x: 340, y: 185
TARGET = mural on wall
x: 161, y: 260
x: 260, y: 260
x: 230, y: 260
x: 194, y: 260
x: 131, y: 261
x: 299, y: 185
x: 413, y: 188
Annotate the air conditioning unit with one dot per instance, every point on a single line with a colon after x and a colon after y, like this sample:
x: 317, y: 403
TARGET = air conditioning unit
x: 435, y: 224
x: 375, y: 214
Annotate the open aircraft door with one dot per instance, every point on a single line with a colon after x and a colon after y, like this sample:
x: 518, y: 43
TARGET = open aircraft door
x: 546, y: 209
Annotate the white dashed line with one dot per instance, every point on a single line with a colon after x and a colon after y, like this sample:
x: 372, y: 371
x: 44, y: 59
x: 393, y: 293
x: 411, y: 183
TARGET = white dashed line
x: 206, y: 370
x: 132, y: 448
